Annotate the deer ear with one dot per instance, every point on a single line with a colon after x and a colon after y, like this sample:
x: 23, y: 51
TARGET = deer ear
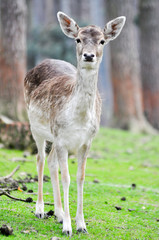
x: 68, y: 25
x: 113, y: 28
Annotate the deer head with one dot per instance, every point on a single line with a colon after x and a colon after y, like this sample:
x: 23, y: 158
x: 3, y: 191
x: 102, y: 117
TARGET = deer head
x: 90, y: 40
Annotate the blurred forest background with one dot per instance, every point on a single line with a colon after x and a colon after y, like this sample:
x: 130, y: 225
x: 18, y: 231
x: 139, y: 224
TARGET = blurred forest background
x: 129, y: 73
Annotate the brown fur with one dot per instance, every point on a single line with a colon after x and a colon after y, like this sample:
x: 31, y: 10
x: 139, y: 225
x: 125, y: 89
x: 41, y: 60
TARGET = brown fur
x: 41, y: 78
x: 91, y: 32
x: 50, y: 90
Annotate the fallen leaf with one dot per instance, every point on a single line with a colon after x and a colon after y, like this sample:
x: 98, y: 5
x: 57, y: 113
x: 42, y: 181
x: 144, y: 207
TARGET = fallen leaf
x: 96, y: 181
x: 25, y: 231
x: 118, y: 208
x: 133, y: 185
x: 6, y: 230
x: 29, y: 199
x: 123, y: 199
x: 19, y: 189
x: 131, y: 210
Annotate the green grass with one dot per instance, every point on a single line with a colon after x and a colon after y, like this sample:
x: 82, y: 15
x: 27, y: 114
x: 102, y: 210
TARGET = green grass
x: 117, y: 159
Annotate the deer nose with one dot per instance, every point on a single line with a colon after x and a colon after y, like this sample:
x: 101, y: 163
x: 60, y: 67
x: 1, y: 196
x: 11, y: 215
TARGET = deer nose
x: 88, y: 57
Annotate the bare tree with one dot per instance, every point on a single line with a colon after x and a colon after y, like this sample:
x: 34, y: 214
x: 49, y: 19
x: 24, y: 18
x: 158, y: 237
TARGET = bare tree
x: 149, y: 38
x: 125, y: 70
x: 12, y: 57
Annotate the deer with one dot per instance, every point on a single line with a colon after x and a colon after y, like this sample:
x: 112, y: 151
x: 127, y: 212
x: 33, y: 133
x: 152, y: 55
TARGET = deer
x: 64, y: 107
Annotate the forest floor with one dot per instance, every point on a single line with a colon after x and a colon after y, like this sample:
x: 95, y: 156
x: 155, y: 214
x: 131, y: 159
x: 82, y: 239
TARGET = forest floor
x: 121, y: 192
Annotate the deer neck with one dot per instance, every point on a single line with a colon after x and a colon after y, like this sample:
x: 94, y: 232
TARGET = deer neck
x: 86, y: 88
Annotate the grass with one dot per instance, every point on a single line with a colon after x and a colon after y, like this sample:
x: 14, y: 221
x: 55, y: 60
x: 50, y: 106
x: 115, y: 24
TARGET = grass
x: 117, y: 160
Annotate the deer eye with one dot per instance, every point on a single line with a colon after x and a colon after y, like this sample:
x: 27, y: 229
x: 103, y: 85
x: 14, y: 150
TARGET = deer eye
x: 102, y: 42
x: 78, y: 40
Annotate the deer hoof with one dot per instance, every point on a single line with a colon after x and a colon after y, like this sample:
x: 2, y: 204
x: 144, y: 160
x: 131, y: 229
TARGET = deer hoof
x: 67, y: 233
x: 39, y: 215
x: 82, y: 230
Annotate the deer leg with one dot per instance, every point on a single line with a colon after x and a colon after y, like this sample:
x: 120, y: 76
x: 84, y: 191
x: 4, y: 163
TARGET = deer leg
x: 62, y: 155
x: 53, y: 167
x: 40, y: 167
x: 82, y: 157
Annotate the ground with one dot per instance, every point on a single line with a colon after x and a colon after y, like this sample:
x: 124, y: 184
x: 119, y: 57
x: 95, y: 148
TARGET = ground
x: 120, y: 164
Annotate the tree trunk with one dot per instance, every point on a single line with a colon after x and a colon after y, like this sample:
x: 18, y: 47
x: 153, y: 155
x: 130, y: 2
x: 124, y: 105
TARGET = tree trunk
x: 125, y: 69
x: 16, y: 135
x: 12, y: 57
x: 149, y: 37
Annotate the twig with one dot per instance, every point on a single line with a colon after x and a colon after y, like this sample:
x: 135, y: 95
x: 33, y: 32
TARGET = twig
x: 14, y: 198
x: 20, y: 159
x: 22, y: 200
x: 11, y: 174
x: 8, y: 189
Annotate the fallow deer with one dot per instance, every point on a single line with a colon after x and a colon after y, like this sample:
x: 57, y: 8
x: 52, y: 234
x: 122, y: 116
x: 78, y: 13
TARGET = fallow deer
x: 64, y: 107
